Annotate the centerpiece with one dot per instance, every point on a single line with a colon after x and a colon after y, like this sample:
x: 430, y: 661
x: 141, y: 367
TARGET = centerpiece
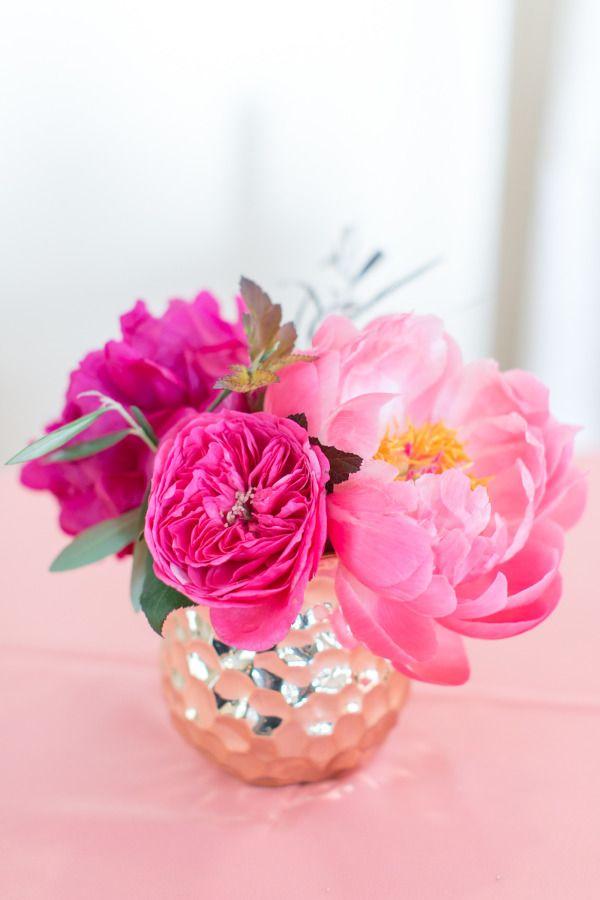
x: 311, y: 530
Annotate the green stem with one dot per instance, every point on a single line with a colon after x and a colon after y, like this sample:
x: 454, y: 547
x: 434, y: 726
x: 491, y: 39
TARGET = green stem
x: 218, y: 399
x: 109, y: 403
x: 137, y: 429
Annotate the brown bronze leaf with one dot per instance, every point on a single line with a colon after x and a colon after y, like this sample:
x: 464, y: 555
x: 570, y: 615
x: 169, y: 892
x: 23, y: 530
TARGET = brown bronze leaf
x: 243, y: 380
x: 265, y: 318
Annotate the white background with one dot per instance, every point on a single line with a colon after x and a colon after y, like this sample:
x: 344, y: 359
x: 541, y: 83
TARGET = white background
x: 153, y: 149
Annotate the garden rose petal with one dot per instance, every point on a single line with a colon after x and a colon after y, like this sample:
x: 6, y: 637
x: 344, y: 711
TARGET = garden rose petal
x: 237, y: 519
x: 256, y: 627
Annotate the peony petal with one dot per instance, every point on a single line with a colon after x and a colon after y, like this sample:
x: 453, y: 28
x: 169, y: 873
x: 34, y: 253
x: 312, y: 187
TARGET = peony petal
x: 389, y: 629
x: 512, y: 460
x: 449, y: 666
x: 507, y: 623
x: 533, y: 586
x: 334, y: 333
x: 529, y: 395
x: 164, y: 365
x: 405, y: 354
x: 357, y: 425
x: 142, y: 381
x: 297, y: 391
x: 567, y: 508
x: 374, y: 538
x: 438, y: 600
x: 481, y: 597
x: 479, y: 393
x: 385, y: 626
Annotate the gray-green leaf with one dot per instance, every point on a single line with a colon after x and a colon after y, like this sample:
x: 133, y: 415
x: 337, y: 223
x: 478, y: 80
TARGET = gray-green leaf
x: 141, y: 559
x: 56, y: 438
x: 100, y: 540
x: 89, y: 448
x: 144, y: 424
x: 158, y: 600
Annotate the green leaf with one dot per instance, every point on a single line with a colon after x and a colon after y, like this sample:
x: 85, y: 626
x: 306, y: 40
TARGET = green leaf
x: 56, y: 438
x: 141, y: 559
x: 144, y: 424
x: 158, y: 599
x: 100, y: 540
x: 89, y: 448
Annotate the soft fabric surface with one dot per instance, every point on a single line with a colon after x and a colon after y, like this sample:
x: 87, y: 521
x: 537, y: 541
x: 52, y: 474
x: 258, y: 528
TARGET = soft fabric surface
x: 487, y: 790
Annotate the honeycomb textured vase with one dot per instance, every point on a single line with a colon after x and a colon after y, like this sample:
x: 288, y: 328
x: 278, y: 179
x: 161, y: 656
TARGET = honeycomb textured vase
x: 307, y: 709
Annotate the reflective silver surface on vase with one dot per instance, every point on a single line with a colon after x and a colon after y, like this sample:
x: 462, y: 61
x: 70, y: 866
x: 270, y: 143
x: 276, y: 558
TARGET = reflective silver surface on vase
x: 307, y: 709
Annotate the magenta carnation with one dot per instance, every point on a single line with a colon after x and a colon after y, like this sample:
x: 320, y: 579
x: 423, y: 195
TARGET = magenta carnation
x: 165, y: 366
x: 454, y: 526
x: 236, y: 520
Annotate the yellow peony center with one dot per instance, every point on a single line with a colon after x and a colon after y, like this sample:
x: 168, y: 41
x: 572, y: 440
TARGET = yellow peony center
x: 427, y: 449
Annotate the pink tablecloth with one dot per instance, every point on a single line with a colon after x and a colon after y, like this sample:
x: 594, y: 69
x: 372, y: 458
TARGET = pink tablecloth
x: 491, y: 790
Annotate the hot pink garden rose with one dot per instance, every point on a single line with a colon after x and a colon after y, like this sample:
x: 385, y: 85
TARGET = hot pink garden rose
x: 165, y: 366
x: 454, y: 525
x: 236, y: 520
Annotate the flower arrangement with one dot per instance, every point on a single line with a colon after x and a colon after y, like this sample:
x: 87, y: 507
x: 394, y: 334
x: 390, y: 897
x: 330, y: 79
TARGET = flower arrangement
x: 228, y: 465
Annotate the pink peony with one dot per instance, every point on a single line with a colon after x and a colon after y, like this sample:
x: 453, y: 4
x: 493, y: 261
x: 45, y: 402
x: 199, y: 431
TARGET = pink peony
x: 236, y: 520
x: 454, y: 526
x: 163, y: 365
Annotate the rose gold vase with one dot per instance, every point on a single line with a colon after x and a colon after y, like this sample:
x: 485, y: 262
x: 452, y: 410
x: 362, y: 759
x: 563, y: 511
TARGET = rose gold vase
x: 305, y: 710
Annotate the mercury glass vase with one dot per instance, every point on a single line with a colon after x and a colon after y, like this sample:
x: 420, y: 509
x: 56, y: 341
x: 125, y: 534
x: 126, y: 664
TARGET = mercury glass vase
x: 307, y: 709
